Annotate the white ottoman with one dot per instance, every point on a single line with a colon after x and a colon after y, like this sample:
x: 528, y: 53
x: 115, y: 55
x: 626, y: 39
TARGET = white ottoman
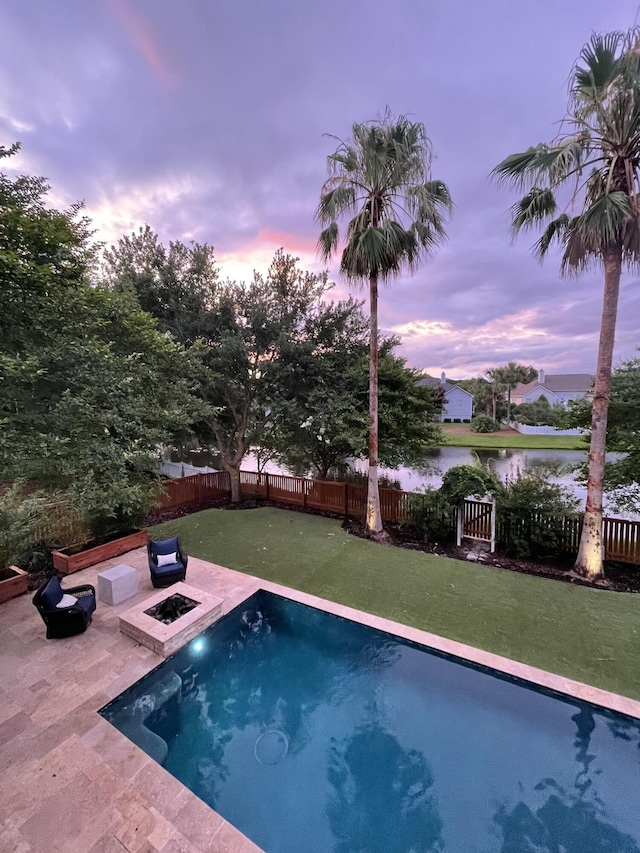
x: 117, y: 584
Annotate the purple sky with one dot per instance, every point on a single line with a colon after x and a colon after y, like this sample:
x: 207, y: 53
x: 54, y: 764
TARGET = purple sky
x: 206, y: 120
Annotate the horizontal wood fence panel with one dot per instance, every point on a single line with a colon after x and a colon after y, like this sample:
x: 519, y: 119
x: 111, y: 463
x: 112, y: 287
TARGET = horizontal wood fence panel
x: 621, y: 536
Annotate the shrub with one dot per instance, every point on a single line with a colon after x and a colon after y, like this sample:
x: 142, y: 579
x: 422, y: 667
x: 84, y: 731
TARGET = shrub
x: 20, y: 515
x: 483, y: 423
x: 461, y: 481
x: 532, y: 515
x: 456, y: 420
x: 432, y: 517
x: 37, y: 558
x: 446, y: 420
x: 466, y: 420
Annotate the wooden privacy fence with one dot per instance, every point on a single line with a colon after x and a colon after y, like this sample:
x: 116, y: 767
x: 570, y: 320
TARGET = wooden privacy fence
x: 621, y: 537
x: 194, y: 491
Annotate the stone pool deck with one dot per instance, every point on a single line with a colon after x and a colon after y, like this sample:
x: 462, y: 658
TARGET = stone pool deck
x: 71, y: 782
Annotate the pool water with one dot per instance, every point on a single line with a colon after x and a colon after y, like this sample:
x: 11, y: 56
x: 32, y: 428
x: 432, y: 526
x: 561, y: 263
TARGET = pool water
x: 313, y: 733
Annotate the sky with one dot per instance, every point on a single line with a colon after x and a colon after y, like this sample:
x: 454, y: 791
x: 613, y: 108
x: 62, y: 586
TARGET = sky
x: 208, y: 120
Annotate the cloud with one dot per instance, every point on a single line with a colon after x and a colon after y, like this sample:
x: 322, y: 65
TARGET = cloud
x: 141, y: 34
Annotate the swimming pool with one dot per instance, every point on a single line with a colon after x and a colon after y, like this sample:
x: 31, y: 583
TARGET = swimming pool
x: 310, y: 732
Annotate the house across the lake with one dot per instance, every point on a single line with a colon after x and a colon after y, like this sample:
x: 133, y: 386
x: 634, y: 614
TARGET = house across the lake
x: 556, y: 387
x: 458, y: 403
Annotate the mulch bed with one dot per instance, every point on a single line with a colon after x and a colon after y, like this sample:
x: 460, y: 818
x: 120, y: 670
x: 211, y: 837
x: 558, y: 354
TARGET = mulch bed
x: 620, y: 577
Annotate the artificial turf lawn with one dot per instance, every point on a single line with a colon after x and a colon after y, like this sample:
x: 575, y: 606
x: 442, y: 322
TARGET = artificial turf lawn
x: 578, y: 632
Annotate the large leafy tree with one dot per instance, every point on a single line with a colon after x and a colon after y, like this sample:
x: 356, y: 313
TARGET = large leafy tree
x: 321, y: 423
x: 250, y: 325
x: 380, y: 179
x: 597, y: 155
x: 90, y: 387
x: 176, y: 284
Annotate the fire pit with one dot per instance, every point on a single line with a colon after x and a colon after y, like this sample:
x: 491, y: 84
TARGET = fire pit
x: 171, y: 608
x: 170, y: 618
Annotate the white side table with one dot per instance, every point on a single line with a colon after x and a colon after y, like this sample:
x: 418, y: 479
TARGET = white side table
x: 117, y: 584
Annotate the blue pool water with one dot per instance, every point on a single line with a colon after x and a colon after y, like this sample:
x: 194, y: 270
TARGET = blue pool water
x: 313, y: 733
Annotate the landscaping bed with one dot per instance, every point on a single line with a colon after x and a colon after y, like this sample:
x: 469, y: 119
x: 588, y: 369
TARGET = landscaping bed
x: 619, y: 577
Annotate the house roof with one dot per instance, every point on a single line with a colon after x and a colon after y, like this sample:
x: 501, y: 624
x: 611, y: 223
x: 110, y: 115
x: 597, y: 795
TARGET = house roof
x: 448, y: 386
x: 557, y: 383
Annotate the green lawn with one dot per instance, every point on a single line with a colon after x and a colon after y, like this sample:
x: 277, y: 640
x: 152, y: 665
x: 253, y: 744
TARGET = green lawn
x: 592, y: 636
x: 505, y: 439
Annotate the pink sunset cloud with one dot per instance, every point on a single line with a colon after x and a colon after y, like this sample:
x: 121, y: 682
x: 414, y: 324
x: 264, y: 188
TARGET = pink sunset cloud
x: 141, y: 35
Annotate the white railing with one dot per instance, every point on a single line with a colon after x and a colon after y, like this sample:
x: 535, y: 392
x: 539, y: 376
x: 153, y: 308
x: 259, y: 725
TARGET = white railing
x: 177, y: 470
x: 525, y: 429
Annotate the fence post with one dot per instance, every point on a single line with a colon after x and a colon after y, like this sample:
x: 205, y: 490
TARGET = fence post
x: 346, y: 500
x: 492, y: 547
x: 266, y: 480
x: 303, y: 480
x: 459, y: 522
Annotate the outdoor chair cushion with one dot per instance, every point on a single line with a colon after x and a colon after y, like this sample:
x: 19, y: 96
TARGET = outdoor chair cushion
x: 51, y: 594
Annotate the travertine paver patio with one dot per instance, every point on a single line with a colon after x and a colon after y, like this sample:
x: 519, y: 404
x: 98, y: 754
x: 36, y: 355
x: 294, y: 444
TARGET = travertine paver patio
x: 68, y: 780
x: 71, y: 782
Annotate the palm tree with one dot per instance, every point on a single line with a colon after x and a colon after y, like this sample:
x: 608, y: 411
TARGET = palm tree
x: 598, y: 154
x: 510, y: 376
x: 495, y: 377
x: 380, y: 178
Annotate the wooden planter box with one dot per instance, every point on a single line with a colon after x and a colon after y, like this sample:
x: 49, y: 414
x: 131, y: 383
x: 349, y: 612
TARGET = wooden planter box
x: 68, y: 563
x: 15, y: 585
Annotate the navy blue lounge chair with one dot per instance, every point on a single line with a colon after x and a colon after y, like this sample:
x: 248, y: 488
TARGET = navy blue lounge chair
x: 65, y: 612
x: 167, y: 563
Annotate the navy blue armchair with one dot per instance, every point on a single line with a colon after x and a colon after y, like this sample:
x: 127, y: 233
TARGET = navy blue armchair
x: 167, y: 563
x: 65, y: 612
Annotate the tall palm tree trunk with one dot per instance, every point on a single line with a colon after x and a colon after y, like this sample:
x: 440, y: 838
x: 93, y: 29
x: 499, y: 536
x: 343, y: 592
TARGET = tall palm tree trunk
x: 373, y: 521
x: 589, y: 561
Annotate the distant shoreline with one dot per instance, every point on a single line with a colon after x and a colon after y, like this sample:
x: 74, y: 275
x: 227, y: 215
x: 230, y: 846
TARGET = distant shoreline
x: 460, y: 435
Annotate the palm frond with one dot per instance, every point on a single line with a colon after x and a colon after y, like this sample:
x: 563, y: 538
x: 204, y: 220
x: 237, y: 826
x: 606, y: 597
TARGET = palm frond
x: 378, y: 251
x: 328, y: 241
x: 556, y: 231
x: 429, y: 202
x: 601, y: 67
x: 516, y: 169
x: 602, y: 225
x: 536, y: 206
x: 336, y: 201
